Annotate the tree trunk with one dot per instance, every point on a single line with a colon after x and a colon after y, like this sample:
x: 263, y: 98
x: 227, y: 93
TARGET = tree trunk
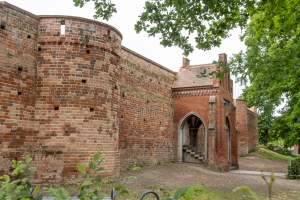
x: 299, y: 146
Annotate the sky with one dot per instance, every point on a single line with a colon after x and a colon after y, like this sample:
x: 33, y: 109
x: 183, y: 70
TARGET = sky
x: 124, y: 20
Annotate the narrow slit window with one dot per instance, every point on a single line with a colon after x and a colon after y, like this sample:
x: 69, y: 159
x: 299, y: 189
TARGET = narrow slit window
x: 62, y: 27
x: 39, y: 48
x: 87, y: 51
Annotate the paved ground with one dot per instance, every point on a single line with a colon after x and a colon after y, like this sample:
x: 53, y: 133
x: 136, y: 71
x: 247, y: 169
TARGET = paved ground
x: 180, y: 175
x: 257, y: 173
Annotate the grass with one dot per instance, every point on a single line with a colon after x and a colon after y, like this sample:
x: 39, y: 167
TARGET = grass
x: 273, y: 155
x: 201, y: 193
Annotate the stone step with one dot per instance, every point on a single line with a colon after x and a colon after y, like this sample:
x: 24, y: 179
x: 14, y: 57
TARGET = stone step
x: 192, y: 152
x: 188, y: 150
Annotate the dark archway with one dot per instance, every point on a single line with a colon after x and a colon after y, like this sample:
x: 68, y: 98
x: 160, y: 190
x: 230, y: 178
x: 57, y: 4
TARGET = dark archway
x: 228, y: 139
x: 192, y: 135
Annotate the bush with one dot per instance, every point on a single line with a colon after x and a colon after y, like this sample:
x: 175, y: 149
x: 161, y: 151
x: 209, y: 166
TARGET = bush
x: 281, y: 150
x: 18, y: 185
x: 294, y: 169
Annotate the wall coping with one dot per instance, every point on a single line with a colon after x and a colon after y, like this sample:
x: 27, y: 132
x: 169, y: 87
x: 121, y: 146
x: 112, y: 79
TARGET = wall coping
x: 83, y: 19
x: 148, y: 60
x: 19, y: 9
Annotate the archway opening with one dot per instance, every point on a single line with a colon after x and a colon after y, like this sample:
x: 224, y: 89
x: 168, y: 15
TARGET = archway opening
x: 192, y: 140
x: 228, y: 140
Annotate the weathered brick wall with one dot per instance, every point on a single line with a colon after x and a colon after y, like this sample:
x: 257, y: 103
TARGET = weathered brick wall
x: 18, y: 37
x: 145, y: 111
x: 241, y: 124
x: 77, y: 97
x: 227, y: 111
x: 252, y: 126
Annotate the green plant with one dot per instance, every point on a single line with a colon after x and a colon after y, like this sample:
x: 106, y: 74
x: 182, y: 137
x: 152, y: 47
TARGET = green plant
x: 252, y: 150
x: 186, y: 192
x: 294, y: 169
x: 18, y: 186
x: 254, y: 194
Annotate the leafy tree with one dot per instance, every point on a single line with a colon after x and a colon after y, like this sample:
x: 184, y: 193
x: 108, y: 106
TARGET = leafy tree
x: 270, y: 64
x: 209, y: 21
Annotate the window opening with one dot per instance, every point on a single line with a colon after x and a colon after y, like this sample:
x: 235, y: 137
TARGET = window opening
x: 20, y: 68
x: 2, y: 26
x: 19, y: 92
x: 56, y: 108
x: 28, y: 36
x: 62, y: 27
x: 83, y: 81
x: 91, y: 109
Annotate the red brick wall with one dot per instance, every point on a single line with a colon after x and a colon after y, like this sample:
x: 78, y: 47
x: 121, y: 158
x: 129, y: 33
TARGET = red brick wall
x: 86, y: 120
x: 184, y: 104
x: 247, y: 125
x: 17, y: 88
x: 226, y: 111
x: 252, y: 126
x: 241, y: 124
x: 145, y: 111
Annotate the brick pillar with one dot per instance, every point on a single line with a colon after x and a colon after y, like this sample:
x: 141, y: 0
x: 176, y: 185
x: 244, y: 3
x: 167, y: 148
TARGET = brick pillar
x: 211, y: 139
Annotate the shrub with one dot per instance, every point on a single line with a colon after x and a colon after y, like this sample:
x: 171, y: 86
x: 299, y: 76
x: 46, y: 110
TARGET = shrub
x: 294, y: 169
x: 18, y: 186
x: 281, y: 150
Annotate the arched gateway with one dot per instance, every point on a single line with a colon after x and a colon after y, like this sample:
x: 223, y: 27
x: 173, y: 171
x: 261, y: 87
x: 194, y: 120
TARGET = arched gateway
x: 191, y: 139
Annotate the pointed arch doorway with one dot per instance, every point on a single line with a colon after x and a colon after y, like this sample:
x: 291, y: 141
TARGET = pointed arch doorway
x: 191, y: 139
x: 228, y: 140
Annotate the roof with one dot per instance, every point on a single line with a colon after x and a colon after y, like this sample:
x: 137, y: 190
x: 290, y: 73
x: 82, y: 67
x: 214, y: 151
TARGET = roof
x: 186, y: 76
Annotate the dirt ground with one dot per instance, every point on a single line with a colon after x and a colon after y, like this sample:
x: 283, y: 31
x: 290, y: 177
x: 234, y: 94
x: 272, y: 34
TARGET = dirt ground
x: 180, y: 175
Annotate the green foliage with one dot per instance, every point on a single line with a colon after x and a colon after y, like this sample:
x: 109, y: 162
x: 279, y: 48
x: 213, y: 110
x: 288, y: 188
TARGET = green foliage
x: 281, y: 150
x: 21, y: 188
x: 271, y: 66
x: 104, y: 8
x: 254, y: 194
x: 186, y: 192
x: 18, y: 186
x: 176, y: 20
x: 273, y: 155
x: 294, y: 169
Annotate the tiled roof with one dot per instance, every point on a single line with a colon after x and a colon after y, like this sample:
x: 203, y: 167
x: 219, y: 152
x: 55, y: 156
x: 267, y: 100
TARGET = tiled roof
x: 186, y: 77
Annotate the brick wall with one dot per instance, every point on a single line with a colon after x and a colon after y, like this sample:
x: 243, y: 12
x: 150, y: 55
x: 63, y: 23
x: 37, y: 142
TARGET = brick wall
x: 77, y: 96
x: 241, y: 124
x: 145, y: 111
x: 252, y: 126
x: 247, y: 125
x: 18, y: 37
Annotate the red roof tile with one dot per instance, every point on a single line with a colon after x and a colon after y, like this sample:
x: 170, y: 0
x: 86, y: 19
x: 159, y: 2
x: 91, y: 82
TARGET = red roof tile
x: 186, y: 77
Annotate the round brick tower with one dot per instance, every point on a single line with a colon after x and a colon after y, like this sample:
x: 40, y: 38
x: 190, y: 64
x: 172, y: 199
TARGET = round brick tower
x: 77, y: 96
